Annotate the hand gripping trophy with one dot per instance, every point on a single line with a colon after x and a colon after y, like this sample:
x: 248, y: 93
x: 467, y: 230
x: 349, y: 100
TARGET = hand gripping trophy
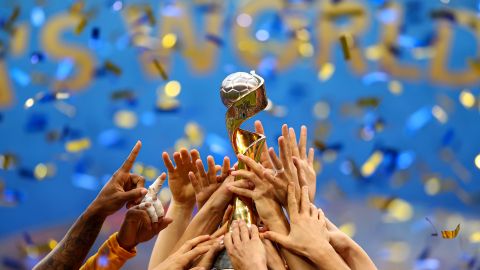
x: 244, y: 96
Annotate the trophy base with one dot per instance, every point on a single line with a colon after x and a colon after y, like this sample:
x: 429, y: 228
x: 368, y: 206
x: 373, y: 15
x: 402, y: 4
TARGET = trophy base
x: 222, y: 262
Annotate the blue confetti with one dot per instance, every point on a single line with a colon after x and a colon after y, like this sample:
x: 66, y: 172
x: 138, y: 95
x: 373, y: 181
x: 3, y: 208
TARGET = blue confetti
x: 64, y: 69
x: 418, y: 119
x: 20, y: 76
x: 85, y: 181
x: 37, y: 16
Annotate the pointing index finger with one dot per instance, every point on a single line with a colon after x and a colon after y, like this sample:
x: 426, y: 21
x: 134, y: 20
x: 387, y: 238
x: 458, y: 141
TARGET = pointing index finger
x: 128, y: 163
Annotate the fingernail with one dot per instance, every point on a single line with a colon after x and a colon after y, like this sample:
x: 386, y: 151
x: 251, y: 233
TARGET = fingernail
x: 144, y: 191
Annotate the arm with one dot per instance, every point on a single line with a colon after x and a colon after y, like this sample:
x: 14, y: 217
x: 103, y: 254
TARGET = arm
x: 109, y: 256
x: 269, y: 210
x: 181, y: 206
x: 122, y: 188
x: 352, y: 253
x: 74, y: 247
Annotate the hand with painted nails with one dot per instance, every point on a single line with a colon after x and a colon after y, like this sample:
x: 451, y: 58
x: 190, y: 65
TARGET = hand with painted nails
x: 138, y: 227
x: 185, y: 256
x: 206, y: 182
x: 308, y: 235
x: 244, y: 247
x: 183, y: 193
x: 122, y: 188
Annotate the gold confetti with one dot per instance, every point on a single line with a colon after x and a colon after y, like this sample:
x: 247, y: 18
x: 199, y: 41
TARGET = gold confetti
x: 395, y: 87
x: 74, y: 146
x: 326, y: 72
x: 169, y: 40
x: 475, y: 65
x: 475, y: 237
x: 477, y: 161
x: 440, y: 114
x: 368, y: 102
x: 451, y: 234
x: 125, y: 119
x: 81, y: 25
x: 344, y: 40
x: 348, y: 229
x: 7, y: 161
x: 172, y: 89
x: 467, y: 99
x: 160, y: 69
x: 112, y: 67
x: 40, y: 171
x: 369, y: 167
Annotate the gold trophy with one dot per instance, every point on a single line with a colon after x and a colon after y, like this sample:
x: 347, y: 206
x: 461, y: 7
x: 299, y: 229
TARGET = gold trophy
x: 244, y: 96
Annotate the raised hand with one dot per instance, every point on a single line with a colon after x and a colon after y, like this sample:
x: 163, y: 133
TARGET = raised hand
x: 308, y: 232
x: 178, y: 181
x: 186, y: 254
x: 137, y: 227
x: 123, y: 187
x: 304, y: 160
x: 245, y: 248
x: 205, y: 183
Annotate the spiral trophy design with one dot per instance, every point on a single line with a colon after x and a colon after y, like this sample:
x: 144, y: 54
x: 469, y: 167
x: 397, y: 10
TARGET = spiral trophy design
x: 244, y: 96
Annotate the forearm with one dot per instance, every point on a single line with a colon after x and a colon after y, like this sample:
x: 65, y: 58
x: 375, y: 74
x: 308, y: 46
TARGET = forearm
x: 205, y: 222
x: 168, y: 237
x: 277, y: 222
x: 354, y: 255
x: 325, y: 257
x: 74, y: 247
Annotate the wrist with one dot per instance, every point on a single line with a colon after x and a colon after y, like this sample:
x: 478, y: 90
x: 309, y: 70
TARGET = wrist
x: 322, y: 254
x: 123, y: 243
x: 181, y: 206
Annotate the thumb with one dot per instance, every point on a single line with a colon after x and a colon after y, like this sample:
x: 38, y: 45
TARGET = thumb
x: 278, y: 238
x: 133, y: 194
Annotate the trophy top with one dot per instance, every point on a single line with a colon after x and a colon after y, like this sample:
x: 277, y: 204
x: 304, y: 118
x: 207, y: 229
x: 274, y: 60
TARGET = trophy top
x: 237, y: 85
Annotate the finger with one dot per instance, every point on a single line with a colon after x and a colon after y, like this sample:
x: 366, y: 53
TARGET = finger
x: 152, y: 213
x: 286, y: 136
x: 302, y: 144
x: 157, y: 204
x: 302, y: 180
x: 168, y: 162
x: 330, y: 225
x: 252, y: 164
x: 244, y: 234
x: 292, y: 201
x: 177, y: 157
x: 225, y: 166
x: 272, y: 180
x: 254, y: 232
x: 284, y: 154
x: 228, y: 241
x: 132, y: 195
x: 202, y: 173
x: 259, y: 127
x: 197, y: 186
x: 242, y: 183
x: 138, y: 180
x: 241, y: 191
x: 311, y: 156
x: 278, y: 238
x: 191, y: 255
x: 228, y: 214
x: 236, y: 234
x: 304, y: 201
x: 186, y: 158
x: 193, y: 242
x: 293, y: 142
x: 313, y: 211
x: 154, y: 188
x: 277, y: 163
x: 211, y: 170
x: 244, y: 174
x: 164, y: 222
x: 195, y: 155
x: 321, y: 214
x: 128, y: 163
x: 207, y: 259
